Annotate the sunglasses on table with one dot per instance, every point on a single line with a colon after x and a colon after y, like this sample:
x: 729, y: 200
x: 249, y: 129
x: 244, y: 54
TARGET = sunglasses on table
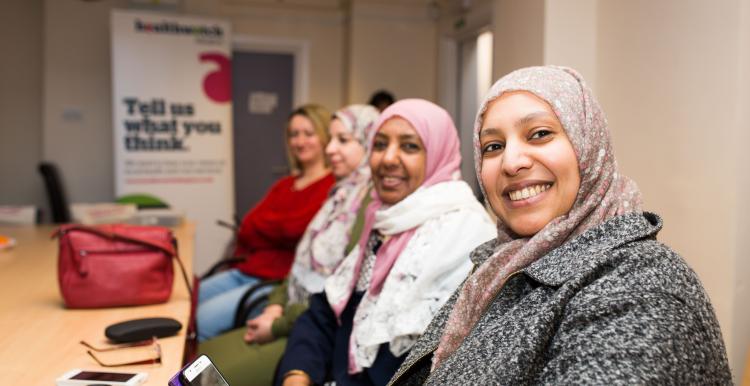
x: 144, y: 343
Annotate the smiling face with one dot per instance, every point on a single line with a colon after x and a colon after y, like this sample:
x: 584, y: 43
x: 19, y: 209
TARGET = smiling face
x: 529, y: 168
x: 304, y: 143
x: 344, y: 152
x: 397, y: 161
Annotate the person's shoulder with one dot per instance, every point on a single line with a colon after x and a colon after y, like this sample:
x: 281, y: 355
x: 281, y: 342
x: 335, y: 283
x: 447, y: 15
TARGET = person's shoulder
x: 279, y: 188
x: 284, y: 182
x: 650, y: 258
x: 624, y: 252
x: 329, y: 179
x: 648, y: 266
x: 322, y: 183
x: 649, y: 288
x: 325, y: 183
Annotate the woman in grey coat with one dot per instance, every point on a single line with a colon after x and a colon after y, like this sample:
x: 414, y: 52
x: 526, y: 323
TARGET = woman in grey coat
x: 575, y: 289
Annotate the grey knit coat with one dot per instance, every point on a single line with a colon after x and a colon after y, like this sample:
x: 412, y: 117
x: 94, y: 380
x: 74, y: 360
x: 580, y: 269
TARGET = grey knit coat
x: 612, y: 306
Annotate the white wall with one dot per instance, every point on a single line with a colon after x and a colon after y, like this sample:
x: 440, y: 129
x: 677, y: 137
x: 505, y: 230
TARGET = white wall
x: 21, y: 103
x: 570, y: 36
x: 77, y: 115
x: 740, y: 332
x: 392, y: 46
x: 518, y: 34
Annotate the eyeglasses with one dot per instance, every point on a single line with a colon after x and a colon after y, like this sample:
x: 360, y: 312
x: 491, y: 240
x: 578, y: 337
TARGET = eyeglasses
x: 150, y: 342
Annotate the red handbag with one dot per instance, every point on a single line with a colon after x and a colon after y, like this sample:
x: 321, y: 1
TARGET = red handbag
x: 116, y: 265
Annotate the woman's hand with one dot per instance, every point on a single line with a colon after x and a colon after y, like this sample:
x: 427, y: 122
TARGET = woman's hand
x: 297, y: 380
x: 259, y: 328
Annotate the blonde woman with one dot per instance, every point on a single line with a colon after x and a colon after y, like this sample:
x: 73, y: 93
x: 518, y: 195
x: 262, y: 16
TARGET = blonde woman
x: 269, y: 232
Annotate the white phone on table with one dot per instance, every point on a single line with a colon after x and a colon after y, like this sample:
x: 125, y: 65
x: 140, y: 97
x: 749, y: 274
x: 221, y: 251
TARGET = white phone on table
x: 78, y: 377
x: 202, y: 372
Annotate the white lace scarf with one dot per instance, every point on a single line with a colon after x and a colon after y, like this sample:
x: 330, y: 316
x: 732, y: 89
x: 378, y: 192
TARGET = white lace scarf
x: 450, y: 223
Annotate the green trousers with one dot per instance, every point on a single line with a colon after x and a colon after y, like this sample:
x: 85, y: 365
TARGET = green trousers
x: 244, y: 364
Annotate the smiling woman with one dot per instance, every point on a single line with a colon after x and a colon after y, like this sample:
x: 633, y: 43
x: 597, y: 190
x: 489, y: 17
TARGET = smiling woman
x: 397, y: 160
x: 269, y: 232
x: 575, y: 289
x: 529, y: 167
x: 304, y: 143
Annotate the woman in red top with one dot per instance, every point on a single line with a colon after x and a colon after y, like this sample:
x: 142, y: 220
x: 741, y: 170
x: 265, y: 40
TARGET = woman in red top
x: 270, y: 231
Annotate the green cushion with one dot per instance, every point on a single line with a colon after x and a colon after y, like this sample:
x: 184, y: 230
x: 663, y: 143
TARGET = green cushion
x: 242, y: 363
x: 142, y: 200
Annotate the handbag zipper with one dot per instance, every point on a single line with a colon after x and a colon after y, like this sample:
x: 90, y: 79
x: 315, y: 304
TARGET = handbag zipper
x: 431, y: 350
x: 85, y: 252
x: 83, y: 266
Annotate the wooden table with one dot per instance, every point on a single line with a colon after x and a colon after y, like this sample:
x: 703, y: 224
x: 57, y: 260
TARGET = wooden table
x: 39, y: 337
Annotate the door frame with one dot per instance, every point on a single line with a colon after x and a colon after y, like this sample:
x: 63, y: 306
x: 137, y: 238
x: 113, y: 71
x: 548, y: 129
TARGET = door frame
x: 451, y: 88
x: 299, y: 48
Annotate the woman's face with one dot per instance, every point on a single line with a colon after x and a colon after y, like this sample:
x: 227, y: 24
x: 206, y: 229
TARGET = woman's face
x: 397, y: 161
x: 529, y: 168
x: 344, y: 152
x: 304, y: 143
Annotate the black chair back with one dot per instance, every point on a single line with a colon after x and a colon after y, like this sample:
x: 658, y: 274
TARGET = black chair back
x: 58, y: 202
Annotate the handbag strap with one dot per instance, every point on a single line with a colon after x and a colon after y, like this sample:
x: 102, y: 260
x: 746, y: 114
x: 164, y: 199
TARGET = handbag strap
x: 182, y: 269
x: 147, y: 243
x: 114, y: 236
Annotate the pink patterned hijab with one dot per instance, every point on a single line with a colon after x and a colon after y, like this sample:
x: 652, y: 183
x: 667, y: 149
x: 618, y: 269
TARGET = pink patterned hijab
x: 443, y: 160
x: 603, y: 193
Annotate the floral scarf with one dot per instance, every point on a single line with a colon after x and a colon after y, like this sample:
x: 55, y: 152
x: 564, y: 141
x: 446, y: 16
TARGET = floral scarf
x: 322, y: 246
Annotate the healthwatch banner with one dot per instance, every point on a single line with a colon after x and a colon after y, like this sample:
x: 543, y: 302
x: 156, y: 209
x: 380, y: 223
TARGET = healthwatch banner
x: 172, y: 118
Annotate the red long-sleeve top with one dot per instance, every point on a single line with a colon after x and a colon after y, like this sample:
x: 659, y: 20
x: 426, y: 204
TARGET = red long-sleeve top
x: 270, y: 231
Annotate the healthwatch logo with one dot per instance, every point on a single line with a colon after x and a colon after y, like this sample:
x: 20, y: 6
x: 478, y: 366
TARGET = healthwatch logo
x: 169, y: 27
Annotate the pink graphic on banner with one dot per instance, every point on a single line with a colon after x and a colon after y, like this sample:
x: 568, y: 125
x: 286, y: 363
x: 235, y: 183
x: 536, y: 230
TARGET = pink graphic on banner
x: 217, y: 84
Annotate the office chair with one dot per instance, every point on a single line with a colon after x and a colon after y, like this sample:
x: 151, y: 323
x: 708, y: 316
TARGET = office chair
x: 255, y: 298
x: 58, y: 202
x: 253, y: 302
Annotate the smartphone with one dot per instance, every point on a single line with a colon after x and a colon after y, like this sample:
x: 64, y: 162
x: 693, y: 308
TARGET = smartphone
x: 202, y: 372
x: 78, y: 377
x: 176, y: 379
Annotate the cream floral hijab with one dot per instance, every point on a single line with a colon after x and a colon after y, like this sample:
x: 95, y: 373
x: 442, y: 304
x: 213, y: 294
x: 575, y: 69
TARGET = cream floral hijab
x: 322, y: 246
x: 604, y: 193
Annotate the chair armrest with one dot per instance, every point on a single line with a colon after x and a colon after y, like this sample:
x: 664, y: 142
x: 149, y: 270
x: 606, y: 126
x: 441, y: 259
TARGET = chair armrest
x: 249, y: 302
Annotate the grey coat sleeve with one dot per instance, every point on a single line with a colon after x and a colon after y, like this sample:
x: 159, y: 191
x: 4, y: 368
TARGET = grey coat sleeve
x: 636, y: 338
